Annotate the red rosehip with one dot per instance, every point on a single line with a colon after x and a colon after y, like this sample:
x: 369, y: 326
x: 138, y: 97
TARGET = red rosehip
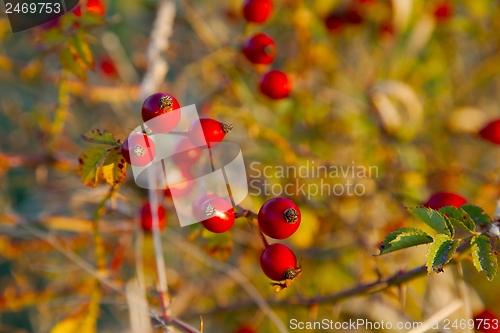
x: 486, y: 322
x: 491, y: 132
x: 97, y: 7
x: 208, y: 132
x: 275, y: 85
x: 147, y: 217
x: 216, y: 215
x: 386, y: 30
x: 185, y: 154
x: 442, y: 199
x: 352, y: 16
x: 279, y: 263
x: 183, y: 187
x: 245, y: 329
x: 279, y: 218
x: 260, y: 49
x: 138, y: 150
x: 197, y: 204
x: 334, y: 22
x: 443, y: 11
x: 257, y: 11
x: 108, y: 67
x: 164, y: 109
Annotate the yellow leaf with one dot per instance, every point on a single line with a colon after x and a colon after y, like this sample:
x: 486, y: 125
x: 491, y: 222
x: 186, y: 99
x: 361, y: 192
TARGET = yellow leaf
x: 68, y: 223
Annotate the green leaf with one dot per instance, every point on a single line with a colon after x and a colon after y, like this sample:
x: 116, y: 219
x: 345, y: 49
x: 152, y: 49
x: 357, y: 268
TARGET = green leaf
x: 440, y: 253
x: 69, y: 63
x: 459, y: 218
x: 433, y: 219
x: 477, y: 214
x: 218, y: 246
x: 82, y: 49
x: 89, y: 165
x: 101, y: 137
x: 483, y: 257
x: 114, y: 168
x: 403, y: 238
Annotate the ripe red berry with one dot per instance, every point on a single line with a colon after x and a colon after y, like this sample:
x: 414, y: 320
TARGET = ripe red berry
x: 97, y: 7
x: 208, y: 132
x: 185, y: 154
x: 260, y: 49
x: 197, y: 204
x: 138, y: 150
x: 147, y: 217
x: 352, y: 16
x: 257, y: 11
x: 245, y: 329
x: 183, y: 187
x: 334, y: 22
x: 275, y: 85
x: 161, y: 112
x: 108, y: 67
x: 279, y: 263
x: 279, y: 218
x: 442, y: 199
x: 486, y: 322
x: 491, y: 132
x: 443, y: 11
x: 216, y: 215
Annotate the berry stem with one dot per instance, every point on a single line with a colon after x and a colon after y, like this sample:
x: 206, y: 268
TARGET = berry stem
x: 250, y: 215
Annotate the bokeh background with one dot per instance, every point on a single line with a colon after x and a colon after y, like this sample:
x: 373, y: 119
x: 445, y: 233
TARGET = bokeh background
x: 404, y: 86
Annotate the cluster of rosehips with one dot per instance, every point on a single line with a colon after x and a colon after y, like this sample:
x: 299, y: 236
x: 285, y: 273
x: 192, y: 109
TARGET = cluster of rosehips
x: 260, y: 49
x: 161, y: 113
x: 279, y: 218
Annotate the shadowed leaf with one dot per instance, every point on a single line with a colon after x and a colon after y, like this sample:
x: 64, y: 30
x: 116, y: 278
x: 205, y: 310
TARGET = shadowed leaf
x: 440, y: 253
x: 404, y: 238
x: 483, y: 257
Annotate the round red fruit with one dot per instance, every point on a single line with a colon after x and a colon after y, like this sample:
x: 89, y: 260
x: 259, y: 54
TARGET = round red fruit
x: 147, y: 217
x: 443, y: 199
x: 443, y: 11
x: 108, y: 67
x: 138, y: 150
x: 216, y: 215
x: 197, y: 204
x: 260, y: 49
x: 491, y: 132
x: 97, y: 7
x: 275, y: 85
x: 161, y: 112
x: 485, y: 322
x: 257, y: 11
x: 279, y: 263
x: 185, y: 154
x: 208, y: 132
x: 245, y: 329
x: 279, y: 218
x: 334, y: 22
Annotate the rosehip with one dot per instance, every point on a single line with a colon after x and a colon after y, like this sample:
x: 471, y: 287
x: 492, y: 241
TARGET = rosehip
x: 352, y: 16
x: 443, y: 11
x: 208, y: 132
x: 442, y: 199
x: 197, y: 204
x: 279, y: 218
x: 108, y: 67
x: 164, y: 109
x: 279, y: 263
x: 147, y: 217
x: 491, y: 132
x: 485, y: 322
x: 138, y: 150
x: 97, y: 7
x: 185, y: 154
x: 257, y: 11
x: 260, y: 49
x: 334, y: 22
x: 275, y: 85
x: 245, y: 329
x: 216, y: 215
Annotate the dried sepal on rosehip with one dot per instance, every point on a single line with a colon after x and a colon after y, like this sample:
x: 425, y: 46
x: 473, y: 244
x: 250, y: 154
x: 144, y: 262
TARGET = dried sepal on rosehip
x: 279, y: 263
